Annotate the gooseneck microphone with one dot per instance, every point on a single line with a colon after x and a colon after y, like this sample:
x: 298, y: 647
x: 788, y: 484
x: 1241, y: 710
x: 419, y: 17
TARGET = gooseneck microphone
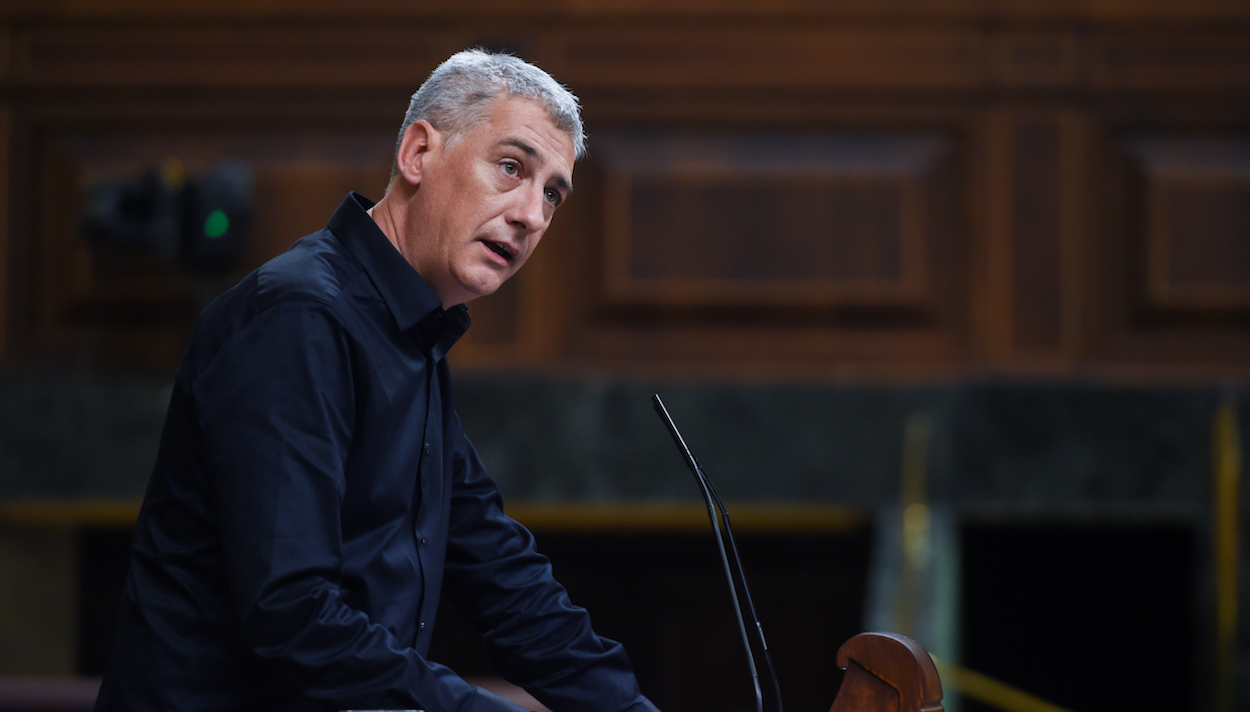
x: 733, y: 574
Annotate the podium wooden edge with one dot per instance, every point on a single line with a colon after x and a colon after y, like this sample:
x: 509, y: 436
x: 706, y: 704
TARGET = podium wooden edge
x: 887, y: 672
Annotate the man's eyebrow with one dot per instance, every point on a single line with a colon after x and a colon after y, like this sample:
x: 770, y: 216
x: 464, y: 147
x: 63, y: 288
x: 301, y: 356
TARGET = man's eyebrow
x: 525, y: 147
x: 532, y: 152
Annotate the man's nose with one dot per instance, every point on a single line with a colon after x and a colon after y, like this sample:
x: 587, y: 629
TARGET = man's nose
x: 529, y: 211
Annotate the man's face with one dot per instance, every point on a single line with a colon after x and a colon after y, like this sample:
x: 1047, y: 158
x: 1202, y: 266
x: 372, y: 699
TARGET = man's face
x: 483, y: 203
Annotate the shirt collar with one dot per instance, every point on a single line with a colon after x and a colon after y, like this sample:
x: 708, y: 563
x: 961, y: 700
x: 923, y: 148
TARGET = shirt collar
x: 409, y: 298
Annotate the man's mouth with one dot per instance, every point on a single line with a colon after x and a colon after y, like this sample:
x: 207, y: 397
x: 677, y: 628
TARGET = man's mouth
x: 500, y: 249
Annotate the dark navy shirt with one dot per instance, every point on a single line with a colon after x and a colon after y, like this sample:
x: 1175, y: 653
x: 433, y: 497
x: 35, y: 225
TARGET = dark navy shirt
x: 313, y: 496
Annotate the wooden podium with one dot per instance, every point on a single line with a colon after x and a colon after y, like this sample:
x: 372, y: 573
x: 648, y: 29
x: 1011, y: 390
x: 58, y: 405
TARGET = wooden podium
x: 886, y: 672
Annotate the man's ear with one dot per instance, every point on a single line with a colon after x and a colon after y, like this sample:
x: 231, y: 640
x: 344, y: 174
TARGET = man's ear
x: 420, y: 138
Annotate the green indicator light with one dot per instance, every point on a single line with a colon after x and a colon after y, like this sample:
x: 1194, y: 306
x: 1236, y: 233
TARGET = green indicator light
x: 216, y: 224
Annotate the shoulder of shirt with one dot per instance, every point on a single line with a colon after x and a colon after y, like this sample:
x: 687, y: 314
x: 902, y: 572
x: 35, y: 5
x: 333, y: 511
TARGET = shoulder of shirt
x: 316, y: 268
x: 311, y: 275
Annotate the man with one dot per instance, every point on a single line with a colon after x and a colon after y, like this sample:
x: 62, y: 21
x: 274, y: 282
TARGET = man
x: 314, y: 492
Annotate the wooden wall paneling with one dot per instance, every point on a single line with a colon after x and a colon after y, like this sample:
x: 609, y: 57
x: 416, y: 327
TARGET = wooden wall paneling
x: 681, y: 52
x: 1035, y: 252
x: 767, y: 220
x: 1035, y: 58
x: 699, y: 53
x: 6, y: 170
x: 1197, y: 222
x: 19, y: 231
x: 1075, y: 232
x: 772, y: 246
x: 60, y: 263
x: 993, y: 306
x: 1156, y: 11
x: 1109, y: 209
x: 1050, y: 11
x: 995, y: 276
x: 6, y: 53
x: 1170, y: 58
x: 216, y: 53
x: 1037, y: 235
x: 135, y: 308
x: 93, y: 304
x: 6, y: 227
x: 1172, y: 268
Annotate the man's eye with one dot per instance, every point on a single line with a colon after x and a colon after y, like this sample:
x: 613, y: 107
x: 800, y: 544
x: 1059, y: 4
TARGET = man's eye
x: 511, y: 169
x: 553, y: 196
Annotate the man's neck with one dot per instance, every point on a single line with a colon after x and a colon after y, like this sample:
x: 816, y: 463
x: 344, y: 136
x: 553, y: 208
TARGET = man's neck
x: 384, y: 213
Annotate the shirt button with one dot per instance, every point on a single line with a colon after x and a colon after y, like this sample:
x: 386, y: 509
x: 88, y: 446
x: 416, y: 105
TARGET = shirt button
x: 422, y: 627
x: 427, y: 448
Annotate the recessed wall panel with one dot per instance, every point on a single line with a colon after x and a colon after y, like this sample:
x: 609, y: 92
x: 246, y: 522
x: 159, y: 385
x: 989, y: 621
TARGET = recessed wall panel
x: 821, y: 220
x: 1196, y: 197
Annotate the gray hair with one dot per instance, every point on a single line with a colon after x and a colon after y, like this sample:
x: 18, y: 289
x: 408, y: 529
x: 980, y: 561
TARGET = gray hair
x: 459, y: 92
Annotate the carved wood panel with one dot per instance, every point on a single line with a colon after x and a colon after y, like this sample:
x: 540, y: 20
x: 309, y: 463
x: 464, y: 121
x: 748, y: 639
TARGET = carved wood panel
x: 1172, y: 260
x: 796, y: 249
x: 1197, y: 221
x: 787, y: 219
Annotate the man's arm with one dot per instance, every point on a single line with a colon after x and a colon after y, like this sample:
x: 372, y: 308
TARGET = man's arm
x: 536, y: 637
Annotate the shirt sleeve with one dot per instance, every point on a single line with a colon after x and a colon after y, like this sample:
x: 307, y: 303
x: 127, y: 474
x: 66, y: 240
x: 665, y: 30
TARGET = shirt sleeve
x: 275, y: 408
x: 504, y: 587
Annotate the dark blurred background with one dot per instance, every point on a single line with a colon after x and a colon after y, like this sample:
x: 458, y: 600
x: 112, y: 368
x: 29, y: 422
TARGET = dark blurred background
x: 950, y: 298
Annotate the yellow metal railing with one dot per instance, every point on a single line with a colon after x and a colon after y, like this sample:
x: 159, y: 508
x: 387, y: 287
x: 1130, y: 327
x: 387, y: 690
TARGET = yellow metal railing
x: 995, y: 693
x: 1226, y: 457
x: 658, y: 517
x: 68, y: 513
